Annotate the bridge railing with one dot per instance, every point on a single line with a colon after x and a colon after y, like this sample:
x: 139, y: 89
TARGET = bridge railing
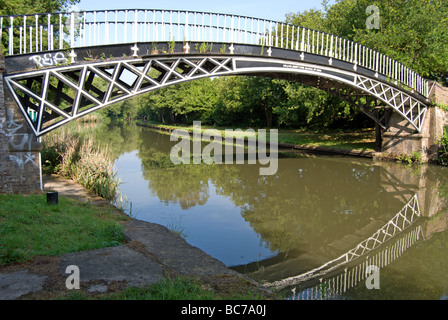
x: 56, y: 31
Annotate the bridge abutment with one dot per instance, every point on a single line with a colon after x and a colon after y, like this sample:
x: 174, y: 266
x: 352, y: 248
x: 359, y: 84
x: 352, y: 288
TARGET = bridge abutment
x: 20, y: 167
x: 401, y: 139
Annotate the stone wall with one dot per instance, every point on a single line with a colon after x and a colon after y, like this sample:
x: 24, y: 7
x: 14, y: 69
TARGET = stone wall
x: 20, y: 170
x: 401, y: 138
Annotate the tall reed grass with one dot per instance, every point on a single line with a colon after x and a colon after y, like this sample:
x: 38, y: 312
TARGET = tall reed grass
x: 68, y: 154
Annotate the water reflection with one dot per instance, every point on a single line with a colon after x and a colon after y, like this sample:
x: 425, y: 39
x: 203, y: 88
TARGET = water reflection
x: 400, y: 223
x: 313, y: 211
x: 334, y: 285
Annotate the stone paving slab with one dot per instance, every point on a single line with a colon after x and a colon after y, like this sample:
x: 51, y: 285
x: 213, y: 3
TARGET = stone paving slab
x: 114, y: 264
x: 13, y: 285
x: 173, y: 251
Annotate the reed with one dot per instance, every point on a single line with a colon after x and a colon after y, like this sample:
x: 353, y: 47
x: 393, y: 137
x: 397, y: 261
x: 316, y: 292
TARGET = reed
x: 79, y: 158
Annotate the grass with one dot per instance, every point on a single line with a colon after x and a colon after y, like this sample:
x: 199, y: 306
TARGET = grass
x: 30, y: 227
x: 351, y: 140
x: 357, y: 140
x: 221, y: 287
x: 168, y: 289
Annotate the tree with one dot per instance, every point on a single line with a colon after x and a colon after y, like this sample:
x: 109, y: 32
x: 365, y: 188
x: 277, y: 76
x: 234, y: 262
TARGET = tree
x: 23, y: 7
x: 19, y: 7
x: 413, y: 32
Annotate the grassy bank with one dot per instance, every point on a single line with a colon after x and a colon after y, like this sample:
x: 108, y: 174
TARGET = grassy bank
x: 349, y: 140
x: 30, y: 227
x: 73, y: 156
x: 221, y: 287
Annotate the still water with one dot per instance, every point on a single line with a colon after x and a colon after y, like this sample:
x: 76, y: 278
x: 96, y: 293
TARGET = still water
x: 325, y: 227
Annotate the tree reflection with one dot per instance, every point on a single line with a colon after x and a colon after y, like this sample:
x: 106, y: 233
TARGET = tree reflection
x: 308, y: 203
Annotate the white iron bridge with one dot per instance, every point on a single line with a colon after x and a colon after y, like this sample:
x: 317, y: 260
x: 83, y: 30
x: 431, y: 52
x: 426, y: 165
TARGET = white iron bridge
x: 61, y: 66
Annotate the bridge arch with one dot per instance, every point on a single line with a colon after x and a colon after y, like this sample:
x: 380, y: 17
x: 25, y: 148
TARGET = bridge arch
x: 106, y: 44
x: 52, y: 96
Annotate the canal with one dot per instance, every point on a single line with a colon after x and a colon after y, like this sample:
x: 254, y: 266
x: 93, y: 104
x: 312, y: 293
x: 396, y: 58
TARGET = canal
x: 322, y: 227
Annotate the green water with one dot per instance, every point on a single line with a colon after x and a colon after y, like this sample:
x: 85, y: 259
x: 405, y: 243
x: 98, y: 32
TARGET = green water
x: 307, y: 219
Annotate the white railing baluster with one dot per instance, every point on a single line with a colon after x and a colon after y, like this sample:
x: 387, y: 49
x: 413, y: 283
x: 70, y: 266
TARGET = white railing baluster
x: 72, y: 30
x: 297, y: 40
x: 312, y: 45
x: 96, y: 25
x: 24, y: 34
x: 61, y: 33
x: 20, y: 40
x: 153, y: 25
x: 281, y: 36
x: 84, y: 22
x: 292, y: 38
x: 41, y: 35
x: 31, y: 38
x: 125, y: 25
x: 1, y: 29
x: 36, y: 18
x: 163, y: 26
x: 48, y: 33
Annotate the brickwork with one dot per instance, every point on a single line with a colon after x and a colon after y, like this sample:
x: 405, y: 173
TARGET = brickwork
x: 20, y: 170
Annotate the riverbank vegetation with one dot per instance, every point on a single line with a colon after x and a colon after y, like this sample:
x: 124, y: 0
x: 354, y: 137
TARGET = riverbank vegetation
x: 360, y: 139
x: 72, y: 155
x: 221, y: 287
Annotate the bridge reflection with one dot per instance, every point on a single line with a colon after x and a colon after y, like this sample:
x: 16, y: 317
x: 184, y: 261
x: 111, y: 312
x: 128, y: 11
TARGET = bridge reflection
x: 407, y: 216
x: 331, y: 286
x: 419, y: 189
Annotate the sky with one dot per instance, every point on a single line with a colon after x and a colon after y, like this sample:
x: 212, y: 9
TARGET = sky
x: 263, y: 9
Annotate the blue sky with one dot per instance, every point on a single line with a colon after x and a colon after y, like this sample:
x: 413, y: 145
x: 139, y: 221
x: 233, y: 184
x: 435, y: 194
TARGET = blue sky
x: 264, y: 9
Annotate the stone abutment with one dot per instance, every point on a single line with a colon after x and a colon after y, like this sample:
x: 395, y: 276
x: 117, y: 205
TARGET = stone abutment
x: 20, y: 167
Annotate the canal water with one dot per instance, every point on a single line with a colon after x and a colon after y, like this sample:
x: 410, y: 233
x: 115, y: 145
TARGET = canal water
x: 322, y: 227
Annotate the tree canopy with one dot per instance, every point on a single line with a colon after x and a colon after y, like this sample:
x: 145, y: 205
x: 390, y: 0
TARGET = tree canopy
x: 413, y: 32
x: 17, y: 7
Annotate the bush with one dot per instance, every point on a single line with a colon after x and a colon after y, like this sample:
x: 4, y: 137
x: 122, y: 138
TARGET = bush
x: 443, y: 151
x: 80, y: 159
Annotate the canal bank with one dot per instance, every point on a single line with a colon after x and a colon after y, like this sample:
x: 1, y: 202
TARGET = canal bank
x: 284, y: 147
x: 151, y: 254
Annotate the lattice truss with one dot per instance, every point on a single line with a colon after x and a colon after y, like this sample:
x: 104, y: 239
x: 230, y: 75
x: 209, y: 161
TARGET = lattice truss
x: 53, y: 97
x: 378, y: 100
x: 401, y: 221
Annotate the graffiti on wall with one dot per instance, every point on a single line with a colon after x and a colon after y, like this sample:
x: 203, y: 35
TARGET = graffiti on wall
x: 49, y: 59
x: 18, y: 141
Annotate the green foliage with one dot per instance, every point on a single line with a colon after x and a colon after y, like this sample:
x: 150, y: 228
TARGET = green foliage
x: 184, y: 288
x: 247, y: 101
x: 79, y: 158
x: 18, y: 7
x: 411, y: 31
x: 443, y: 151
x: 31, y: 227
x: 414, y: 158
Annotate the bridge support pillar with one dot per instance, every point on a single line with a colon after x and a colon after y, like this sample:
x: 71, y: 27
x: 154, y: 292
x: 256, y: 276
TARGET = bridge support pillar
x: 402, y: 140
x: 20, y: 167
